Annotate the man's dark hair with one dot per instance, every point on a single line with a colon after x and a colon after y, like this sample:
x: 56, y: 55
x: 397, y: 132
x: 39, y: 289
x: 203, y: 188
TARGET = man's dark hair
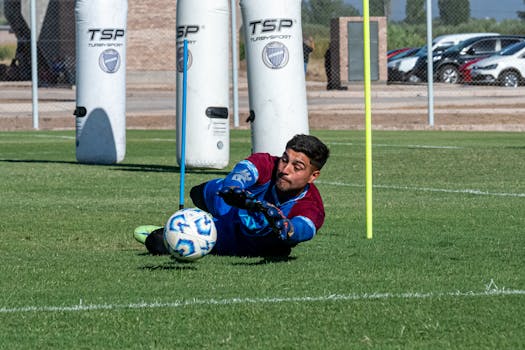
x: 310, y: 145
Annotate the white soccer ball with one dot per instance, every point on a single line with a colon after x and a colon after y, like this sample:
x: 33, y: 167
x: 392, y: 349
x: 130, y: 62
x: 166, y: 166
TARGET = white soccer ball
x: 190, y: 234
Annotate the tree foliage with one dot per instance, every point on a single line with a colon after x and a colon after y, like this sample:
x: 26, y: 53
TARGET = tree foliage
x: 521, y: 14
x: 401, y: 34
x: 415, y: 11
x: 454, y: 11
x: 380, y: 7
x: 322, y: 11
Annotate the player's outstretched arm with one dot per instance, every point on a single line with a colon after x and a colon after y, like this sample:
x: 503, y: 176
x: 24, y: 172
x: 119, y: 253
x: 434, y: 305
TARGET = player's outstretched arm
x: 234, y: 196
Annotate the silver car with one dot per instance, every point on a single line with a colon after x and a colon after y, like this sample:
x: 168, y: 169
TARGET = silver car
x: 507, y: 68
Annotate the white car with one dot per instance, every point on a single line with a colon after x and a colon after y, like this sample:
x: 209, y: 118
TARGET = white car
x: 398, y: 70
x: 443, y: 42
x: 506, y: 68
x: 401, y: 69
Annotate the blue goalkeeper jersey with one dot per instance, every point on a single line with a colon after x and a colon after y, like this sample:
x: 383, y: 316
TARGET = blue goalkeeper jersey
x: 247, y: 233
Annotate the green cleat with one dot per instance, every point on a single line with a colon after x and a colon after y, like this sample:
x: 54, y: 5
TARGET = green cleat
x: 142, y: 232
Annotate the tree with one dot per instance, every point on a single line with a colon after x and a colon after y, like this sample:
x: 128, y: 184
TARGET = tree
x: 521, y: 14
x: 454, y: 12
x: 2, y: 17
x: 415, y: 11
x: 322, y: 11
x: 380, y: 8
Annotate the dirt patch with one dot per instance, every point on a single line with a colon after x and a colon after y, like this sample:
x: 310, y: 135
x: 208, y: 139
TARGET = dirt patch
x: 317, y: 121
x: 401, y: 107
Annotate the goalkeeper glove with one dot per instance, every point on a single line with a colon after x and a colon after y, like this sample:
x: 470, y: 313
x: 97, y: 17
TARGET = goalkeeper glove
x: 235, y: 196
x: 240, y: 198
x: 280, y: 224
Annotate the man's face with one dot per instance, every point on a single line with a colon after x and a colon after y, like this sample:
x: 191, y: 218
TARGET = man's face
x: 294, y: 172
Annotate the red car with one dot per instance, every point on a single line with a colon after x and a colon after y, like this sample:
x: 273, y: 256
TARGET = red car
x: 395, y: 52
x: 464, y: 70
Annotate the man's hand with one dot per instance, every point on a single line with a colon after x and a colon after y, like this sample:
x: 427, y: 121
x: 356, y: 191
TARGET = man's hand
x: 235, y: 196
x: 240, y: 198
x: 279, y: 223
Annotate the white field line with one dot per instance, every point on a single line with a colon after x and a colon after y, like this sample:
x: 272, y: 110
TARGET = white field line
x: 55, y: 136
x: 155, y: 140
x: 330, y: 143
x: 129, y: 139
x: 273, y: 300
x: 428, y: 189
x: 392, y: 187
x: 394, y: 146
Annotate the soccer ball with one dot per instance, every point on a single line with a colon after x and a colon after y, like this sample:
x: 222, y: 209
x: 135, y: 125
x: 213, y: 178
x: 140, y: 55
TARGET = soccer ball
x: 190, y: 234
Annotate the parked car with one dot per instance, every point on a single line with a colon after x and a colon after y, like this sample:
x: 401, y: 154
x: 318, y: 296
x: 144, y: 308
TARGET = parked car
x: 465, y: 71
x: 400, y: 53
x: 506, y: 68
x: 396, y: 52
x: 394, y: 69
x: 446, y: 64
x: 401, y: 69
x: 443, y: 42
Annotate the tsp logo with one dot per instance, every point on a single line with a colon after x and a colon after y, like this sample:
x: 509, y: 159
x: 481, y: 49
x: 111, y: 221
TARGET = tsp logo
x: 275, y: 55
x: 180, y: 59
x: 109, y: 61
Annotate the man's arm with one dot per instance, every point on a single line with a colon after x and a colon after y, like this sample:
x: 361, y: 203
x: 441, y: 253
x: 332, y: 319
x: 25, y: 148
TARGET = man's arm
x: 243, y: 175
x: 255, y: 170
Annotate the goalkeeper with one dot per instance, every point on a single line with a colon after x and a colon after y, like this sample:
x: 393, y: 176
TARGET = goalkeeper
x: 266, y: 205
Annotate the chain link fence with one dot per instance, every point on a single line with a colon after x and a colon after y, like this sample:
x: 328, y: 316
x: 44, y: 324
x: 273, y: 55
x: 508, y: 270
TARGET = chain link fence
x: 56, y: 42
x: 333, y: 48
x: 406, y: 39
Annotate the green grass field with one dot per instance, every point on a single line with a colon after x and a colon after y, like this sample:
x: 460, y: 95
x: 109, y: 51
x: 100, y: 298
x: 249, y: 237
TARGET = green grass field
x: 445, y: 268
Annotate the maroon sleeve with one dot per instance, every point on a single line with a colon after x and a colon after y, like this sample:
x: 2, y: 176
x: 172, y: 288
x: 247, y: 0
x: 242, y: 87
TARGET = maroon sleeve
x: 265, y: 164
x: 311, y: 206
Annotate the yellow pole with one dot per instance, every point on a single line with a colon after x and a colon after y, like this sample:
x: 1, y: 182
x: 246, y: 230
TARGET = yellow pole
x: 368, y: 118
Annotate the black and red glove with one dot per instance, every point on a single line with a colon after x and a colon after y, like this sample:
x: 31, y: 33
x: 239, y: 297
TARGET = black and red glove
x: 279, y: 223
x: 240, y: 198
x: 235, y: 196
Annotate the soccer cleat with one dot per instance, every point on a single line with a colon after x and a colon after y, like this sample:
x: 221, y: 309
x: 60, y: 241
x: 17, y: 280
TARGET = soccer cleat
x: 142, y: 232
x: 155, y: 242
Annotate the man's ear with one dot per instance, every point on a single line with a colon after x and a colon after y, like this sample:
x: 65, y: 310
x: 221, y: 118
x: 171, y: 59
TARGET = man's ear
x: 315, y: 174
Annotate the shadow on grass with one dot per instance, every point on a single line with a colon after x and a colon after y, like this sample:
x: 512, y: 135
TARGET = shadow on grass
x: 125, y: 167
x: 267, y: 260
x: 36, y: 161
x: 170, y: 266
x: 166, y: 168
x: 174, y: 264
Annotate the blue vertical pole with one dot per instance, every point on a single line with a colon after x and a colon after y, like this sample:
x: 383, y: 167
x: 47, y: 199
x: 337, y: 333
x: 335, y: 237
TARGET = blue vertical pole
x: 235, y: 65
x: 183, y: 130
